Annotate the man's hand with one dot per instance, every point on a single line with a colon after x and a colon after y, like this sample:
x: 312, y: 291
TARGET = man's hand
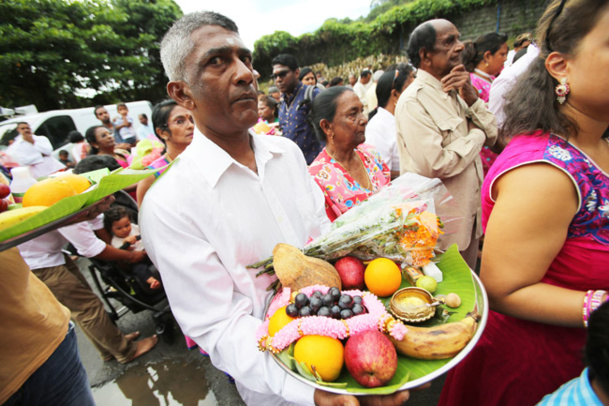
x: 459, y: 80
x: 323, y: 398
x: 471, y: 125
x: 137, y: 256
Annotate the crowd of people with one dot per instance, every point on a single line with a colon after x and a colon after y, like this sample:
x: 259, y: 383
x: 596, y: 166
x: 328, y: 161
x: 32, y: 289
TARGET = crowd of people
x: 519, y: 139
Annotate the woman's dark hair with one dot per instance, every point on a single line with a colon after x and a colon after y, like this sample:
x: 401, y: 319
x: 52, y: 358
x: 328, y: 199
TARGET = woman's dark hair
x: 304, y: 71
x: 92, y: 139
x: 473, y: 51
x: 160, y: 116
x: 115, y: 213
x: 336, y: 81
x: 390, y: 81
x: 527, y: 111
x: 597, y: 346
x: 95, y: 162
x: 75, y: 136
x: 271, y: 104
x: 424, y: 36
x: 324, y: 107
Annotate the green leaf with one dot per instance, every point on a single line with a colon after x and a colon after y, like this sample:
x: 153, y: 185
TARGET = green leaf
x: 117, y: 180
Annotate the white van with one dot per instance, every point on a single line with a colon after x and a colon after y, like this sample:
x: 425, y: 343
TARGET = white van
x: 57, y: 124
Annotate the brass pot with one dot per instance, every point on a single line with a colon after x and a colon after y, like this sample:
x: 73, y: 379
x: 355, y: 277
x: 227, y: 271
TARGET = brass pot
x: 412, y: 305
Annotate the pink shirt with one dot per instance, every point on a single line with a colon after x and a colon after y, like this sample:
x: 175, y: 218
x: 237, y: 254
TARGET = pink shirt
x: 340, y: 190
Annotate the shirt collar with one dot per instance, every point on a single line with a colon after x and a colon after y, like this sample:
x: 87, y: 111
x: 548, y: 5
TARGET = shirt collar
x: 288, y: 100
x: 213, y: 161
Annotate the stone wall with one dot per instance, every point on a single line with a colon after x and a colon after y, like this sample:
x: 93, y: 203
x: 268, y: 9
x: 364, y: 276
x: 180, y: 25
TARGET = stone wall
x: 515, y: 17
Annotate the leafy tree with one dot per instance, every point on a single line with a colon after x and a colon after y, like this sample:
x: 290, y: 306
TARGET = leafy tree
x: 50, y: 49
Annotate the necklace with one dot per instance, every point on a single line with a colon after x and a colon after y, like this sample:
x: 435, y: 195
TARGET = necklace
x: 359, y: 159
x: 483, y: 75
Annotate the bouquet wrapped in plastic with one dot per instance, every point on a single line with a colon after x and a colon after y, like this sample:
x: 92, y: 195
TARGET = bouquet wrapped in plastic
x: 401, y: 222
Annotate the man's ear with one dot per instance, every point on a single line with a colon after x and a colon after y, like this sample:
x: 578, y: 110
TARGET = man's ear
x: 297, y: 72
x: 557, y: 66
x: 423, y: 56
x: 181, y: 93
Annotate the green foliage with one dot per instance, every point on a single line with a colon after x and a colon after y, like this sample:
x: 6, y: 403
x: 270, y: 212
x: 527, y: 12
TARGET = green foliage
x: 50, y: 49
x: 381, y: 32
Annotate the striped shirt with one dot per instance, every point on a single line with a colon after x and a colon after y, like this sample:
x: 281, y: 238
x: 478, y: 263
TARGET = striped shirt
x: 577, y: 391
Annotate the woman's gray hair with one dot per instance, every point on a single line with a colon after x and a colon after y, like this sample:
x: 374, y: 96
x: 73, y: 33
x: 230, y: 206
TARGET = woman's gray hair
x: 177, y: 43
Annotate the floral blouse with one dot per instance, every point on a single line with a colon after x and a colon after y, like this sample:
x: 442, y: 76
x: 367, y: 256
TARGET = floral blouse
x: 340, y: 190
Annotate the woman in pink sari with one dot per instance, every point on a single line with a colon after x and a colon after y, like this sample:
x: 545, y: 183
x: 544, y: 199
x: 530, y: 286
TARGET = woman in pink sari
x: 545, y: 210
x: 346, y: 170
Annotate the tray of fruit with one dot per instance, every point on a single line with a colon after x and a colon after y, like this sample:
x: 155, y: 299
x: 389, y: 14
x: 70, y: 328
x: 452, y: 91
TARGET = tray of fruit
x: 56, y: 200
x: 371, y: 327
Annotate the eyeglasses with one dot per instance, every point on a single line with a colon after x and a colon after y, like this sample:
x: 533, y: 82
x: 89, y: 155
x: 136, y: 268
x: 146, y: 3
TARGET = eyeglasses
x: 559, y: 9
x: 280, y: 74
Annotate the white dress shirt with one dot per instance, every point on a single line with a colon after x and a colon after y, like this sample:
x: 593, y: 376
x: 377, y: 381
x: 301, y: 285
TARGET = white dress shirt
x: 45, y: 251
x: 207, y: 218
x: 37, y: 155
x: 382, y: 134
x: 506, y: 81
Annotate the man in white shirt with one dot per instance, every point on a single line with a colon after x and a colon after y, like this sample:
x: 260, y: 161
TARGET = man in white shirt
x: 362, y: 87
x: 34, y: 151
x: 504, y: 83
x: 145, y: 131
x: 45, y: 258
x: 225, y: 203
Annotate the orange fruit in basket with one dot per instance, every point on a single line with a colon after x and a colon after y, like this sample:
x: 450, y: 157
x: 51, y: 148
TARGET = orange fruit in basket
x: 326, y: 354
x: 382, y: 277
x: 51, y: 190
x: 278, y: 320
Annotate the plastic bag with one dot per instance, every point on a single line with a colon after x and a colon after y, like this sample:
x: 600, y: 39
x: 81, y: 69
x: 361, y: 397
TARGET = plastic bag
x: 400, y: 222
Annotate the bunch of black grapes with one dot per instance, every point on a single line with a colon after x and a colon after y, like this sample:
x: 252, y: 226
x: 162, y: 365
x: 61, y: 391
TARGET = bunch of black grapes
x: 332, y: 304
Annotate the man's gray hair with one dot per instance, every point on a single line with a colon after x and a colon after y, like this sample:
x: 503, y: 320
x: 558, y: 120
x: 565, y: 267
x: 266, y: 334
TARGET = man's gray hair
x: 177, y: 43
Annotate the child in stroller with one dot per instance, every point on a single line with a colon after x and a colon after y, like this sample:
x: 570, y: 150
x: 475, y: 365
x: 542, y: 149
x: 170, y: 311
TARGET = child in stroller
x: 126, y: 235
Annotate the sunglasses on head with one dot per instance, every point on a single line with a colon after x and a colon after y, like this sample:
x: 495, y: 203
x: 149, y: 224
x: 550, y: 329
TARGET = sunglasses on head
x: 559, y: 10
x: 280, y: 74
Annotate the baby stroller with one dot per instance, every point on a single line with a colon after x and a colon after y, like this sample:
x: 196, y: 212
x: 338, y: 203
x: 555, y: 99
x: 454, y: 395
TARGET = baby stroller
x: 115, y: 281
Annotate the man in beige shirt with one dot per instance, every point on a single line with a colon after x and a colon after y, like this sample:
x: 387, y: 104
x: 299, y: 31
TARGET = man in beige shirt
x: 442, y: 126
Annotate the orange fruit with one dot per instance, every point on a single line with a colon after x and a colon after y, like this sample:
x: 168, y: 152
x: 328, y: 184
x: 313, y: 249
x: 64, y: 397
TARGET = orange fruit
x: 278, y: 320
x: 382, y: 277
x: 51, y: 190
x: 326, y: 354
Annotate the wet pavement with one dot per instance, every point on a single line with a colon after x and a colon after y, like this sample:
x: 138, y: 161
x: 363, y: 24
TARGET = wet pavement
x: 170, y: 374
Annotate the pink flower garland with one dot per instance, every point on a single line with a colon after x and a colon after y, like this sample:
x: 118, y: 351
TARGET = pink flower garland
x: 376, y: 318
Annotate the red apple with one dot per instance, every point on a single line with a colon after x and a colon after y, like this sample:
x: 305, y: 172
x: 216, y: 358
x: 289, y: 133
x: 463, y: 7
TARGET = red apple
x: 351, y: 272
x: 3, y: 205
x: 370, y: 358
x: 5, y: 190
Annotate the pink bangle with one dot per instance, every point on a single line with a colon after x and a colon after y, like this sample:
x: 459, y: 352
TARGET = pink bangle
x: 586, y: 307
x: 597, y: 300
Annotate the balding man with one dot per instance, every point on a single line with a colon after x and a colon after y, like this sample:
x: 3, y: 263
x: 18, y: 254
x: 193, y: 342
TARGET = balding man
x: 442, y: 126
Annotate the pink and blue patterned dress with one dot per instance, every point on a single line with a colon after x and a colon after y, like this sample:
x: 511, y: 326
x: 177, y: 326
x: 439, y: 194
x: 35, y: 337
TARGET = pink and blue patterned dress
x: 340, y: 190
x: 517, y: 362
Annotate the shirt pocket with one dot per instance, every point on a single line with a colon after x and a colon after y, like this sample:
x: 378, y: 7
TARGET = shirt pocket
x: 449, y: 128
x: 306, y: 210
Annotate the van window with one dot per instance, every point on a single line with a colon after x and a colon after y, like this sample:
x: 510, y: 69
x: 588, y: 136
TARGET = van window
x: 56, y: 129
x: 8, y: 132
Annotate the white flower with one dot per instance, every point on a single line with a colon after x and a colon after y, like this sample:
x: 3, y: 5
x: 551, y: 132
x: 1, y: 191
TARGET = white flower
x: 560, y: 153
x: 591, y: 201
